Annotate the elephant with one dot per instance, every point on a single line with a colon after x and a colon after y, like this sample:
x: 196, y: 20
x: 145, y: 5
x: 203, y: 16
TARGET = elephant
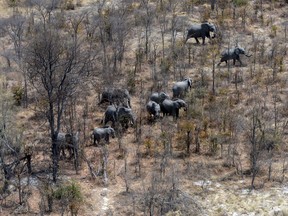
x: 67, y: 141
x: 171, y: 107
x: 125, y: 116
x: 153, y: 108
x: 159, y: 97
x: 116, y: 96
x: 121, y: 114
x: 180, y: 88
x: 233, y: 53
x: 201, y: 30
x: 102, y: 133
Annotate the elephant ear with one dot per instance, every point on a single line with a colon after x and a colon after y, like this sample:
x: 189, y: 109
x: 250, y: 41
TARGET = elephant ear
x: 181, y: 103
x: 236, y: 51
x: 212, y: 27
x: 205, y: 26
x: 190, y: 82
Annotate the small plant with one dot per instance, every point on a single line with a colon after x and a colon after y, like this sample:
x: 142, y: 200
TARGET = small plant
x: 70, y: 5
x: 131, y: 81
x: 213, y: 144
x: 148, y: 143
x: 12, y: 3
x: 273, y: 30
x: 18, y: 93
x: 240, y: 3
x: 69, y: 195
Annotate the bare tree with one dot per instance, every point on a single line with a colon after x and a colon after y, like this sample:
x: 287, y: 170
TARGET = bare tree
x: 14, y: 26
x: 56, y: 64
x: 256, y: 138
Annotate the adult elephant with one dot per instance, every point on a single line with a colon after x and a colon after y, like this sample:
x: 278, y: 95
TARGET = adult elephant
x: 123, y: 115
x: 67, y: 141
x: 116, y: 96
x: 158, y: 97
x: 110, y: 115
x: 102, y: 133
x: 201, y: 30
x: 172, y: 107
x: 153, y: 109
x: 233, y: 53
x: 180, y: 88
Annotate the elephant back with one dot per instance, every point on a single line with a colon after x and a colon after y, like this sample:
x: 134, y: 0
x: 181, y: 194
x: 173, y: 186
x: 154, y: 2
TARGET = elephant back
x: 158, y: 97
x: 116, y: 96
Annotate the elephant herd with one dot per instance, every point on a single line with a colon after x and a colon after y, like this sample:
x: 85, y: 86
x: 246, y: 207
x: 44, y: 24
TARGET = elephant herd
x: 203, y: 30
x: 119, y: 112
x: 161, y: 102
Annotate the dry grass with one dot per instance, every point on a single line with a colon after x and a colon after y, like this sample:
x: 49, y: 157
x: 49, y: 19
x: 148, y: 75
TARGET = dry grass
x: 220, y: 188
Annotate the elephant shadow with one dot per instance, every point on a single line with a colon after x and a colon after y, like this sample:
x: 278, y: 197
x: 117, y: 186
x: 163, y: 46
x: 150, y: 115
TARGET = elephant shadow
x: 231, y: 65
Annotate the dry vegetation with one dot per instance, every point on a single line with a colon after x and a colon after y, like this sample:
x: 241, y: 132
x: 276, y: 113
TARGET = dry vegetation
x: 227, y: 155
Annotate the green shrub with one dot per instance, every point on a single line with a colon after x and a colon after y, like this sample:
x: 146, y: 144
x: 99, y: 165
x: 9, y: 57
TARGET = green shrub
x: 69, y: 195
x: 18, y: 93
x: 239, y: 3
x: 12, y: 3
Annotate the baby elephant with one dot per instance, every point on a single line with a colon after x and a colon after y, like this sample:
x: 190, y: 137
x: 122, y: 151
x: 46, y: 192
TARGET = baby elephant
x: 102, y: 133
x: 234, y: 54
x: 153, y: 108
x: 159, y: 97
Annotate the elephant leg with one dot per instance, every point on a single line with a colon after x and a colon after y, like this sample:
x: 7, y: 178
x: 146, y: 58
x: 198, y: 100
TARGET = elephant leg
x: 107, y: 138
x: 234, y: 61
x: 177, y: 113
x: 203, y: 40
x: 94, y: 143
x: 197, y: 40
x: 97, y: 141
x: 240, y: 61
x: 63, y: 151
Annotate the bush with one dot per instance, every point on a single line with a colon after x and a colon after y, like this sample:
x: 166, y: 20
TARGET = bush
x: 18, y: 93
x: 69, y: 195
x: 12, y: 3
x: 239, y: 3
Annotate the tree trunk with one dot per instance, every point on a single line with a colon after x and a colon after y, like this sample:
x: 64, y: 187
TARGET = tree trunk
x: 213, y: 2
x: 55, y: 156
x: 188, y: 143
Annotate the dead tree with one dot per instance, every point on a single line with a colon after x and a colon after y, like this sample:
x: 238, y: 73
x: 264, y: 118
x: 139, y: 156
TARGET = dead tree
x: 56, y: 64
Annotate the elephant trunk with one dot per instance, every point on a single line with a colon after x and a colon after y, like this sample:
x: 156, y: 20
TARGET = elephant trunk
x: 248, y: 55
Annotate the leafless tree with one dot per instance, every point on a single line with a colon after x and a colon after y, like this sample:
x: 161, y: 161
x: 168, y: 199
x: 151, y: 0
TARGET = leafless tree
x: 256, y: 134
x: 15, y: 27
x: 57, y: 63
x: 147, y: 20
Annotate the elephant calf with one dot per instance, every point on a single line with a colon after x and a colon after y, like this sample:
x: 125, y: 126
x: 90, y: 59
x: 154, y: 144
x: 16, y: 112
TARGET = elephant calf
x: 159, y: 97
x: 180, y: 88
x: 123, y: 115
x: 233, y: 53
x: 153, y: 108
x: 102, y: 133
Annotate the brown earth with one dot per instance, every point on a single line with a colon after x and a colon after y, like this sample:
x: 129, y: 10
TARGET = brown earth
x: 207, y: 180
